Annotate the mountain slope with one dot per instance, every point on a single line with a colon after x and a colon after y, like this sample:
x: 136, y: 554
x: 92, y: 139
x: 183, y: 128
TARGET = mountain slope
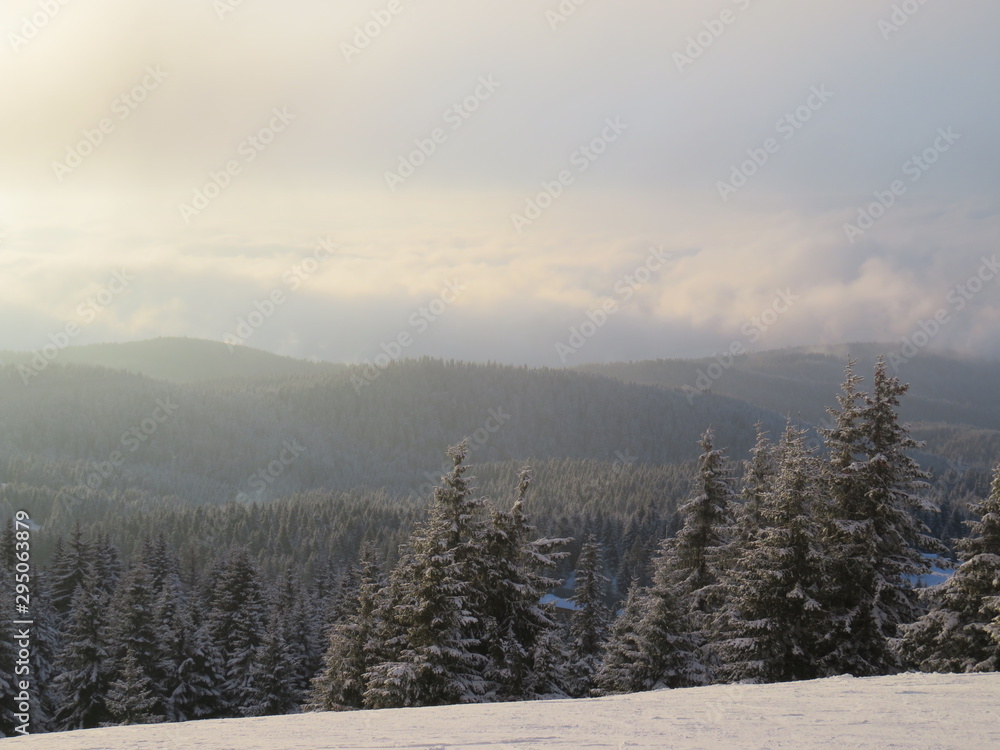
x: 912, y: 711
x: 949, y: 395
x: 181, y: 360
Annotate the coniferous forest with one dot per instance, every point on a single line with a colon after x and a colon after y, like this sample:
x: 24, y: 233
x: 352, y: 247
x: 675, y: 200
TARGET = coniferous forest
x: 801, y: 553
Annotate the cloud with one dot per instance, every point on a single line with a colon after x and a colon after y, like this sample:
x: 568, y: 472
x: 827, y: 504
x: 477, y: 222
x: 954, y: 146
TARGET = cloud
x: 349, y: 122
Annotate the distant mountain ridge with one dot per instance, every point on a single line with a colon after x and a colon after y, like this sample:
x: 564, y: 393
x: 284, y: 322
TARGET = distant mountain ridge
x: 176, y: 359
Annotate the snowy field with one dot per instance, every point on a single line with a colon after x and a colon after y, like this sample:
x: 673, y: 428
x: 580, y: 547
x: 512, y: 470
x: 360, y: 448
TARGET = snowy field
x: 908, y: 711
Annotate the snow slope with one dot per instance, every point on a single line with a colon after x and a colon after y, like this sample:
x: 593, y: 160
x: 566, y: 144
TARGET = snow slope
x: 908, y: 711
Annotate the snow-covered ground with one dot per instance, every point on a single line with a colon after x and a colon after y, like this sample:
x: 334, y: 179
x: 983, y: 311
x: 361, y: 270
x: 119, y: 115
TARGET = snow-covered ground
x: 908, y: 711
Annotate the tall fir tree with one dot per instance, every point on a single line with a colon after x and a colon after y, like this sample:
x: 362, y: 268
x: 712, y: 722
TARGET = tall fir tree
x: 236, y: 623
x: 432, y: 655
x: 272, y: 686
x: 591, y: 618
x: 960, y: 633
x: 688, y: 591
x: 68, y: 568
x: 341, y: 684
x: 136, y: 641
x: 776, y: 620
x: 132, y: 697
x: 759, y: 474
x: 189, y: 661
x: 515, y: 631
x: 873, y: 537
x: 83, y: 666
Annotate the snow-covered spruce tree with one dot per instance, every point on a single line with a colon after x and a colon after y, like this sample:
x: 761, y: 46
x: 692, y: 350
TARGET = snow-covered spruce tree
x: 236, y: 623
x: 132, y: 697
x: 685, y: 600
x: 873, y: 538
x: 514, y: 630
x: 272, y: 688
x: 45, y: 645
x: 295, y: 609
x: 591, y: 618
x: 340, y: 684
x: 431, y: 657
x: 135, y: 640
x: 758, y: 478
x: 960, y: 633
x: 69, y: 566
x: 189, y: 662
x: 692, y: 559
x: 83, y: 666
x: 776, y: 621
x: 621, y: 669
x: 650, y: 645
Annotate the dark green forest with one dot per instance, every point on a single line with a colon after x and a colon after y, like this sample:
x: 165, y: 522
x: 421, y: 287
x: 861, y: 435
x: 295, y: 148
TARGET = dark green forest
x: 297, y: 506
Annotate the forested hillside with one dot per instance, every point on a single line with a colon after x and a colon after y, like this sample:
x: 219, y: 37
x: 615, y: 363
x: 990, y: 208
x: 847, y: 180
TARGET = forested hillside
x: 210, y: 441
x: 951, y: 404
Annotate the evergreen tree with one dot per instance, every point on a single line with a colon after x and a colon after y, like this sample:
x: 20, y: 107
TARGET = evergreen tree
x: 236, y: 624
x: 132, y: 698
x: 513, y: 627
x: 432, y: 660
x: 83, y: 664
x: 270, y: 689
x: 68, y: 569
x: 651, y: 645
x: 777, y: 621
x: 189, y: 662
x: 135, y: 636
x: 693, y: 557
x: 622, y: 669
x: 758, y: 478
x: 589, y: 626
x: 45, y: 648
x: 959, y: 633
x: 682, y: 607
x: 341, y: 683
x: 873, y: 537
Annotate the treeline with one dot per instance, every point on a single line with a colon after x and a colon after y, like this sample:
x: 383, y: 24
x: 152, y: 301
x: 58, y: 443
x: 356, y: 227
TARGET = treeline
x: 628, y: 505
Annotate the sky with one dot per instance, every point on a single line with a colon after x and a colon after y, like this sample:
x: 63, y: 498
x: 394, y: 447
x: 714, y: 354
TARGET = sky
x: 537, y: 182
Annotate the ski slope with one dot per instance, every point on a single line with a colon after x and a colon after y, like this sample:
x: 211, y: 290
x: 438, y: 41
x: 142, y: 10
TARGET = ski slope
x: 908, y: 711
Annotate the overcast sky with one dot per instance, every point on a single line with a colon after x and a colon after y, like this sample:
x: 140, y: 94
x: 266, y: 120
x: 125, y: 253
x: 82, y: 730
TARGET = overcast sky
x: 701, y: 165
